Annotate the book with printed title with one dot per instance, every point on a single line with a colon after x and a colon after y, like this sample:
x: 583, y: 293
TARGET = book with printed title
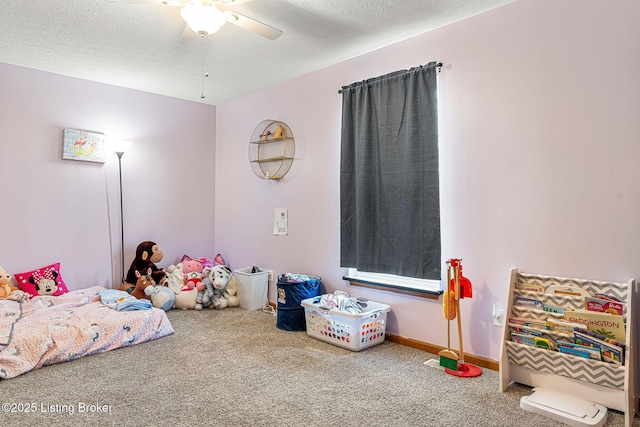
x: 603, y: 305
x: 523, y: 338
x: 531, y: 287
x: 609, y: 352
x: 608, y: 325
x: 528, y: 302
x: 580, y: 350
x: 519, y: 329
x: 563, y: 326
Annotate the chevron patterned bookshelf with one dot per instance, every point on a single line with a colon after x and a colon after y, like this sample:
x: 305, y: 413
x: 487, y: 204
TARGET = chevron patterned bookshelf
x: 608, y: 384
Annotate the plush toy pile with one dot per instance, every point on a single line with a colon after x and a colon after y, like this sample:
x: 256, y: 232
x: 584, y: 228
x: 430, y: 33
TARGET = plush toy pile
x: 193, y: 283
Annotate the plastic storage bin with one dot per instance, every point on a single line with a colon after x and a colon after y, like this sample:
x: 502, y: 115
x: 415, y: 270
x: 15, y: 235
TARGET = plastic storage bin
x: 290, y: 296
x: 252, y: 288
x: 352, y: 331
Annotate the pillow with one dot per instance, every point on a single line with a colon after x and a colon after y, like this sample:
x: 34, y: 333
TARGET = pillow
x: 43, y: 281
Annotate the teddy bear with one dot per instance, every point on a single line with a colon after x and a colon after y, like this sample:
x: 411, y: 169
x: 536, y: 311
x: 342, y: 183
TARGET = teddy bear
x: 147, y: 254
x: 5, y: 284
x: 217, y: 293
x: 8, y: 291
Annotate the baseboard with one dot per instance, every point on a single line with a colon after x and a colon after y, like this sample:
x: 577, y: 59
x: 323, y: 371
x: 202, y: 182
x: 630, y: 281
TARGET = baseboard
x: 435, y: 349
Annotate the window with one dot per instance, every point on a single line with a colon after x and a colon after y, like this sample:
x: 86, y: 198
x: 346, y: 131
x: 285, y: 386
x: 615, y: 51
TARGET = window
x: 389, y: 183
x: 391, y: 282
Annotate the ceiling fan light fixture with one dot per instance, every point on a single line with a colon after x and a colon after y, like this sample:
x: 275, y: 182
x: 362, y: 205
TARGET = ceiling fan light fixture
x: 204, y: 20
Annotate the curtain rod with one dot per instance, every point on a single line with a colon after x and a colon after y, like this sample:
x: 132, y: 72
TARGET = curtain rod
x: 438, y: 66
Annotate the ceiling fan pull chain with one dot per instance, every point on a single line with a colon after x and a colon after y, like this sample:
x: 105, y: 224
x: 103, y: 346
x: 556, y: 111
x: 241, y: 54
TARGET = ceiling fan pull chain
x: 205, y: 73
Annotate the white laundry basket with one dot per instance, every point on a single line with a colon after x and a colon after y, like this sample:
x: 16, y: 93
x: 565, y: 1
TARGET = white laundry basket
x: 352, y: 331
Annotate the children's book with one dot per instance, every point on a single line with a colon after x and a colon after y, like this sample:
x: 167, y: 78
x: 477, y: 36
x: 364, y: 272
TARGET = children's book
x: 533, y: 287
x: 574, y: 351
x: 607, y: 297
x: 603, y: 338
x: 608, y: 325
x: 553, y: 309
x: 523, y: 338
x: 531, y: 340
x: 519, y: 329
x: 610, y: 353
x: 564, y: 326
x: 579, y: 350
x: 528, y: 302
x: 533, y: 323
x: 543, y: 343
x: 603, y: 305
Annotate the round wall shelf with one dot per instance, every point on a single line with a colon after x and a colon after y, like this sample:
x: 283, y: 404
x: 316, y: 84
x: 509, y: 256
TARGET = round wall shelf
x: 271, y: 149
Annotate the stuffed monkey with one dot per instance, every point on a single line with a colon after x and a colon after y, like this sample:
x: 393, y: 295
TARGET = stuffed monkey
x: 147, y: 254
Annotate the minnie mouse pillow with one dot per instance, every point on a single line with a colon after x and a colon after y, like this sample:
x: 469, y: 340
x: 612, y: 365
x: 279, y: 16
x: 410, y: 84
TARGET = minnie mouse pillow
x: 43, y: 281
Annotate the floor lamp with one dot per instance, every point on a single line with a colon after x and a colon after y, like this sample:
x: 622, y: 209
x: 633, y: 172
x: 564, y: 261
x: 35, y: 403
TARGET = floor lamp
x: 120, y: 147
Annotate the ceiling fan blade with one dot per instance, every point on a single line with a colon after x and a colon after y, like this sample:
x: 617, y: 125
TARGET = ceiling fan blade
x: 252, y: 25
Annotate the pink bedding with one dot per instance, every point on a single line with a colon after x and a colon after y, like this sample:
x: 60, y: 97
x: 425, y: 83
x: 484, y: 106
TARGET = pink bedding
x: 47, y: 330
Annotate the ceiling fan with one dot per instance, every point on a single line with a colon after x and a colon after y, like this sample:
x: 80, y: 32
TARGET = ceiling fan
x: 204, y: 18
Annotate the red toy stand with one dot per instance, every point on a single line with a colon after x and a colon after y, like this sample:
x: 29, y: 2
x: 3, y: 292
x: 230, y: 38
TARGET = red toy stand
x: 466, y: 370
x: 459, y: 288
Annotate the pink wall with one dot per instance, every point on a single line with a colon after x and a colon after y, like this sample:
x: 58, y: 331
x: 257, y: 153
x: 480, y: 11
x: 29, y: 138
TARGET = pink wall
x: 69, y: 211
x: 539, y: 158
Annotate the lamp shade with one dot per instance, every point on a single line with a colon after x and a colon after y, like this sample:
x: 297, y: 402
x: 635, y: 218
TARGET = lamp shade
x: 119, y: 145
x: 203, y: 20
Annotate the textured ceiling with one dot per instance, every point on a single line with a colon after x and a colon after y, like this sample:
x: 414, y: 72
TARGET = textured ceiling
x: 146, y: 46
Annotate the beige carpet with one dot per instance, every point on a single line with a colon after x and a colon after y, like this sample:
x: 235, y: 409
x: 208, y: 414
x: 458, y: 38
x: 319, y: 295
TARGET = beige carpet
x: 233, y: 367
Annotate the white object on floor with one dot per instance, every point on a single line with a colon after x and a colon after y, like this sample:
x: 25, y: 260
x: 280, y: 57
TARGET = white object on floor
x: 567, y: 409
x: 252, y: 288
x: 434, y: 363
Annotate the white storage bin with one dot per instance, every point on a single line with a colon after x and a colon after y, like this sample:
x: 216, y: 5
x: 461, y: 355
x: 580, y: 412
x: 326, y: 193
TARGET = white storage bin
x: 352, y: 331
x: 252, y: 288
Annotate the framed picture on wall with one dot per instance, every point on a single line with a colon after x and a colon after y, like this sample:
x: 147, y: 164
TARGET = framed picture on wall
x: 82, y: 145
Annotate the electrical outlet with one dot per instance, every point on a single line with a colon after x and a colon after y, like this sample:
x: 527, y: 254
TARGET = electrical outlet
x: 498, y: 315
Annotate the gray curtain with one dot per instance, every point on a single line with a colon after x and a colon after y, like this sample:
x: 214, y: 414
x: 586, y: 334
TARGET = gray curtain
x: 389, y: 186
